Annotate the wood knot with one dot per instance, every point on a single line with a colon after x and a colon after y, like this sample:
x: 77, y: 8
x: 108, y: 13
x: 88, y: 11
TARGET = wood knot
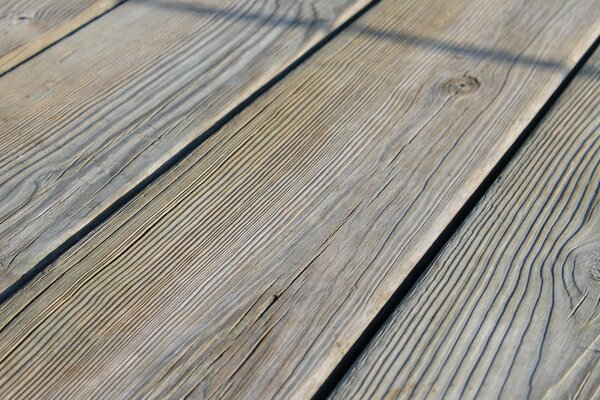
x: 592, y: 265
x: 463, y: 85
x: 21, y: 19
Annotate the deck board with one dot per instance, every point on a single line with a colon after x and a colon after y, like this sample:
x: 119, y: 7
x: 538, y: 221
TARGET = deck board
x: 29, y: 26
x: 510, y: 307
x: 100, y: 112
x: 252, y: 266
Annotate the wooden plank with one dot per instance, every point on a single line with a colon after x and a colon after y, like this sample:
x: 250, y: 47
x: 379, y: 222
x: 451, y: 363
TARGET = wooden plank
x: 29, y: 26
x: 509, y: 309
x: 100, y: 112
x: 251, y: 267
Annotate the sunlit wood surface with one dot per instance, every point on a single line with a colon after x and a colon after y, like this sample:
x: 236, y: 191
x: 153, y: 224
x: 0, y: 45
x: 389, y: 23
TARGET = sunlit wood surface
x: 217, y: 199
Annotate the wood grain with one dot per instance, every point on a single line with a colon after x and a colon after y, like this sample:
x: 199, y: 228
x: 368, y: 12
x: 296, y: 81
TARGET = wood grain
x: 510, y: 307
x: 251, y: 267
x: 29, y: 26
x: 101, y: 111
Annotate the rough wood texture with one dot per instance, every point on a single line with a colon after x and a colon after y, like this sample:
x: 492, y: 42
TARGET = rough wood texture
x: 93, y: 116
x: 510, y: 307
x: 29, y: 26
x: 250, y: 268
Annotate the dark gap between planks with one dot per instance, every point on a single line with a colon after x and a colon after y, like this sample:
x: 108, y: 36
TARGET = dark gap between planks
x: 74, y: 31
x: 378, y: 322
x: 173, y: 161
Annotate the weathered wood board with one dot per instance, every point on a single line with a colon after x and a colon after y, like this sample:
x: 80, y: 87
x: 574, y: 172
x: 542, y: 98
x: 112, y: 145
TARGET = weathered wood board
x: 93, y: 116
x: 29, y: 26
x: 253, y: 265
x: 510, y: 307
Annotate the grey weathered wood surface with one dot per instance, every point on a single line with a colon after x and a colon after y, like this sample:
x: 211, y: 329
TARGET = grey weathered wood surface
x: 93, y: 116
x: 251, y: 267
x: 510, y: 307
x: 29, y: 26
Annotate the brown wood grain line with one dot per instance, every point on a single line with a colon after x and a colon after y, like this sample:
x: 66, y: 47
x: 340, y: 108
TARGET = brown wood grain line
x: 510, y: 307
x: 28, y: 27
x: 91, y: 118
x: 251, y: 267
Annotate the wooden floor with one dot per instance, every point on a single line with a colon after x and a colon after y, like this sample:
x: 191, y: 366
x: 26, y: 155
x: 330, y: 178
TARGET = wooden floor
x: 299, y: 199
